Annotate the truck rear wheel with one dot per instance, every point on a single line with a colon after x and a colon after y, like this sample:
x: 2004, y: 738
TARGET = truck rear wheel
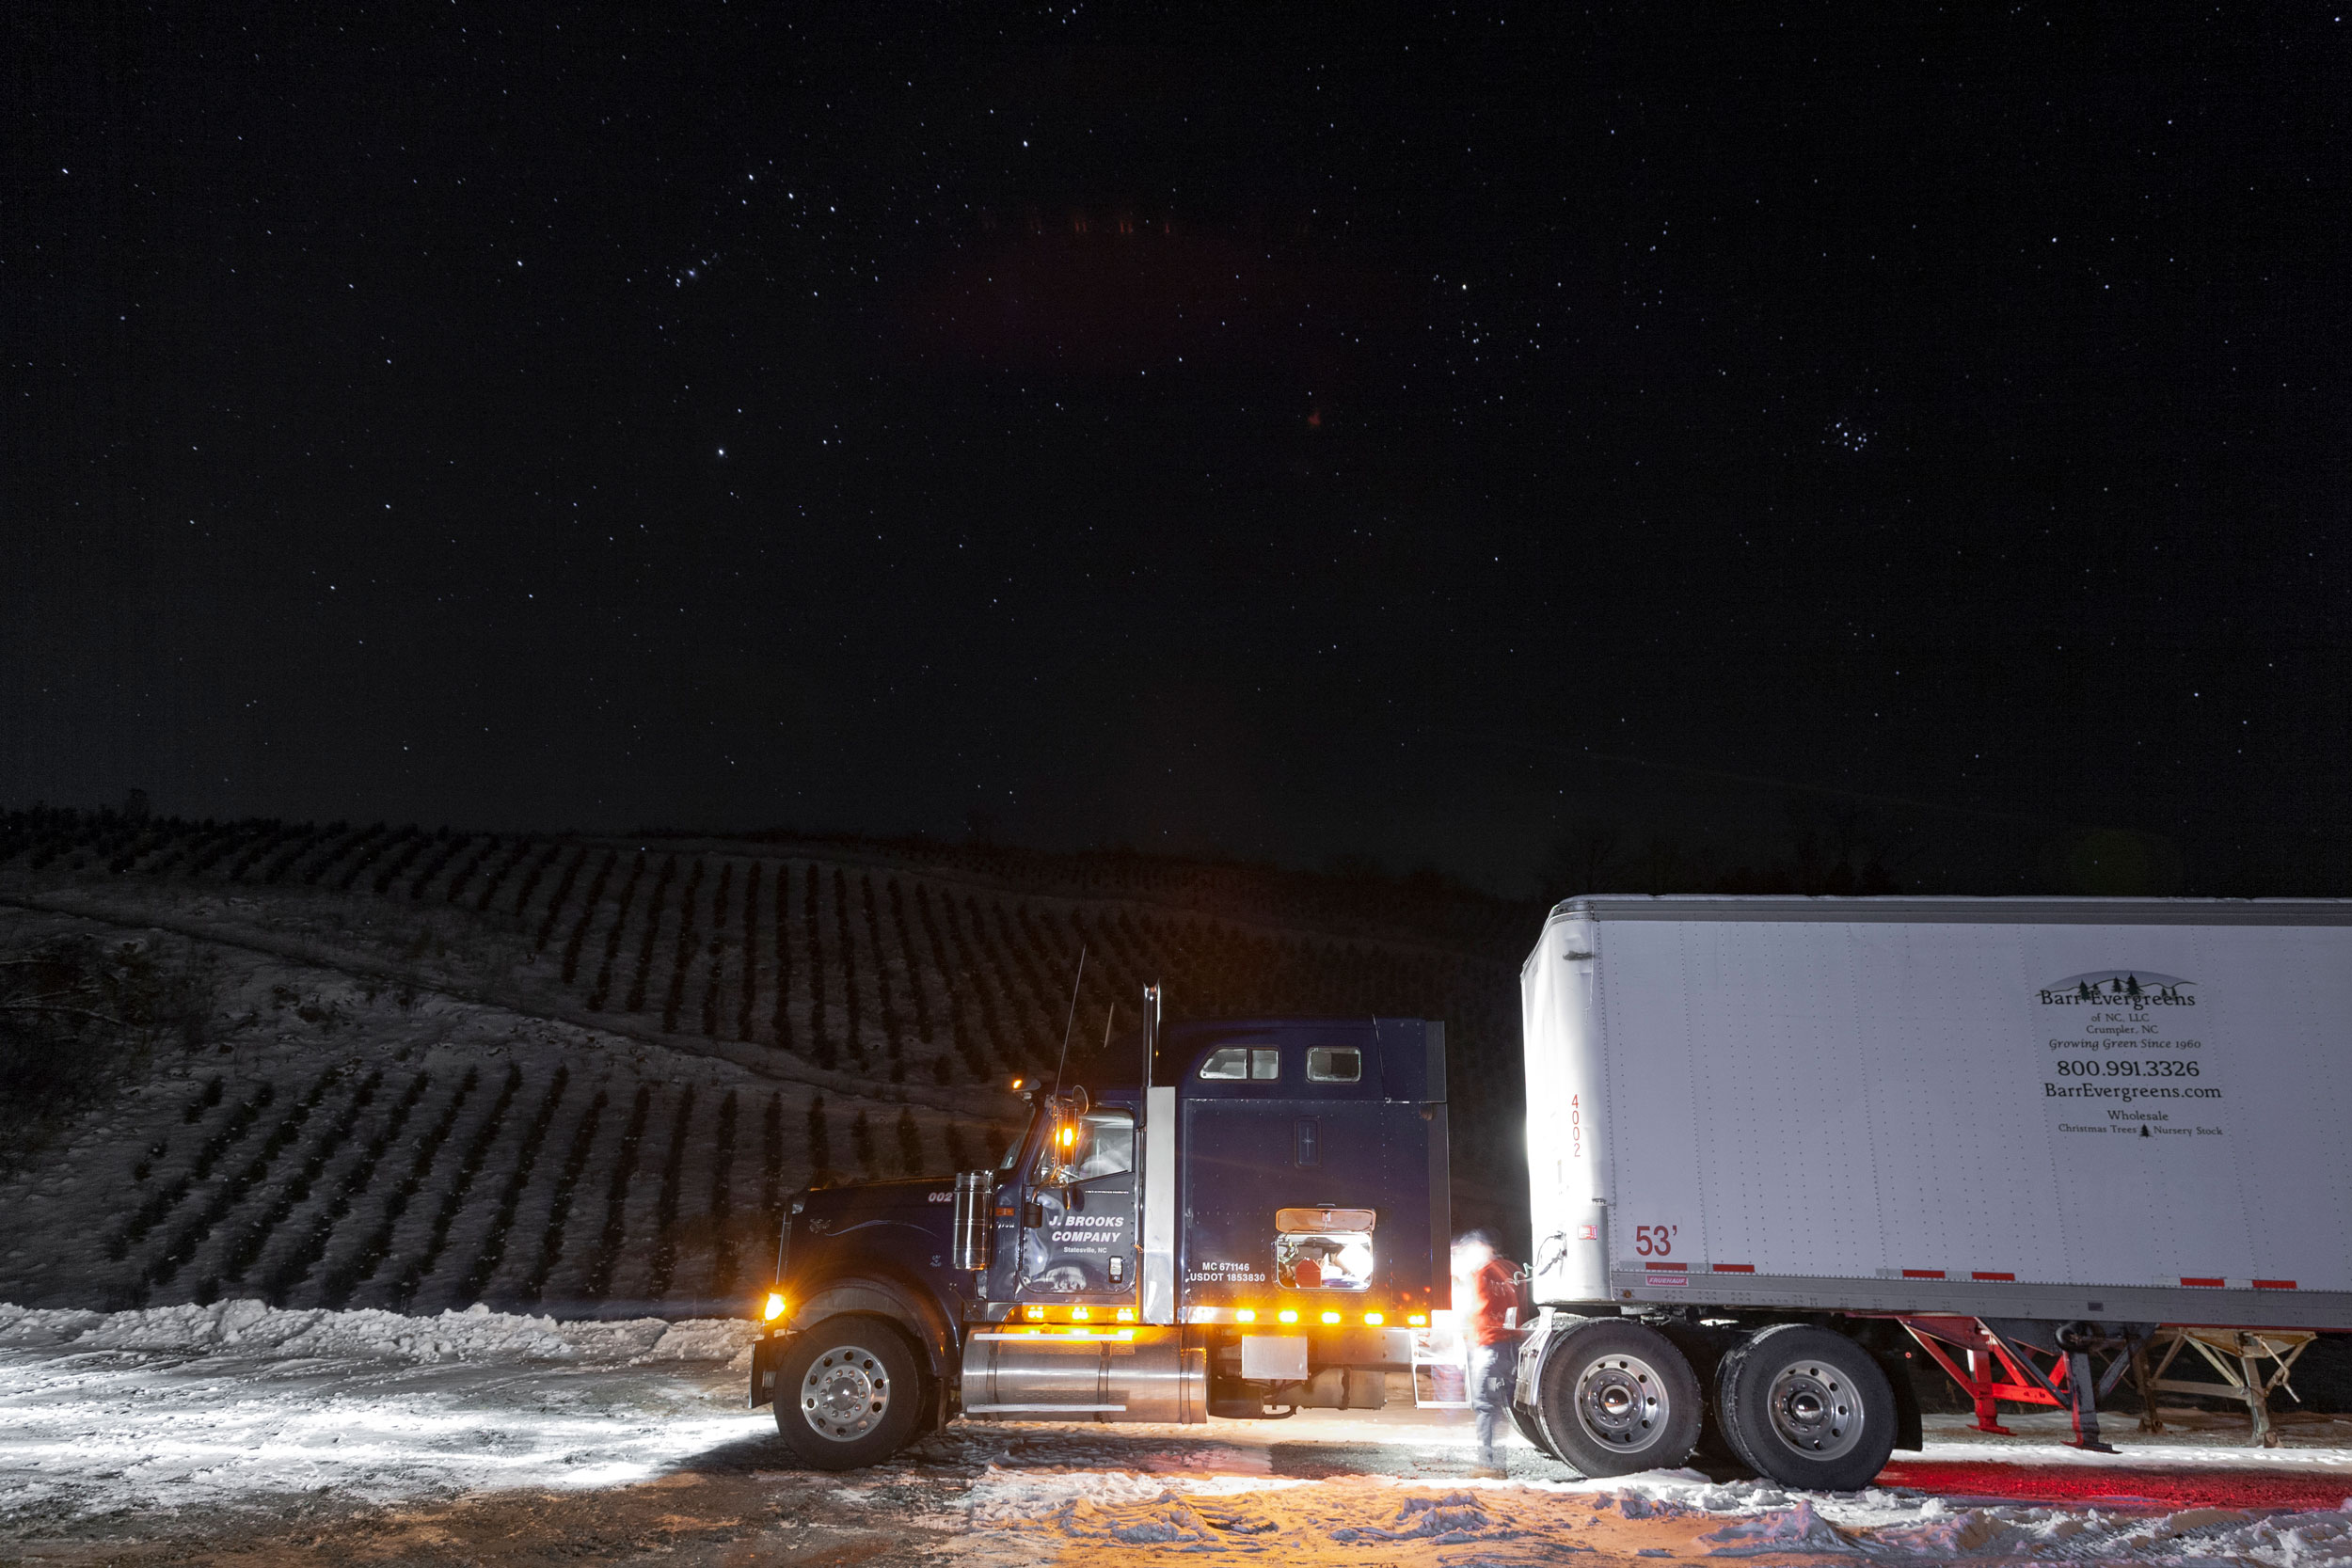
x: 1525, y: 1371
x: 1808, y: 1407
x: 847, y: 1394
x: 1531, y: 1428
x: 1615, y: 1398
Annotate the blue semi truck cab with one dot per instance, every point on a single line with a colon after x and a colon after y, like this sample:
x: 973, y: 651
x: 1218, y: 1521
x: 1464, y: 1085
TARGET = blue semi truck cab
x: 1239, y: 1218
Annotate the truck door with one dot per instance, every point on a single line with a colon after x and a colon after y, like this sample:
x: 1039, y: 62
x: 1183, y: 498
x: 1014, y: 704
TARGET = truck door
x: 1079, y: 1238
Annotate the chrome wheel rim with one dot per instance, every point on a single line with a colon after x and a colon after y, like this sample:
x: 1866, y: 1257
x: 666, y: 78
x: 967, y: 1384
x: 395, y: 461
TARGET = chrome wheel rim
x: 1816, y: 1410
x: 1622, y: 1403
x: 846, y: 1393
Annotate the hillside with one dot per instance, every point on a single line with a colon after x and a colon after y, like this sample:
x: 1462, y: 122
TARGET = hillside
x: 421, y: 1068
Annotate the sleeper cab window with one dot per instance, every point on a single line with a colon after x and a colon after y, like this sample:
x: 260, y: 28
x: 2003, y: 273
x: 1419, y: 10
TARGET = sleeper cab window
x: 1262, y: 1063
x: 1334, y: 1064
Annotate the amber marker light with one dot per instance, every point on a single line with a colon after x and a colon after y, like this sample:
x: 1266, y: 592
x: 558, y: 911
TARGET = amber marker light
x: 1374, y: 1319
x: 1330, y: 1317
x: 1126, y: 1314
x: 1419, y: 1320
x: 1035, y: 1314
x: 774, y: 1309
x: 1079, y: 1314
x: 1017, y: 1083
x: 1287, y: 1316
x: 1246, y: 1315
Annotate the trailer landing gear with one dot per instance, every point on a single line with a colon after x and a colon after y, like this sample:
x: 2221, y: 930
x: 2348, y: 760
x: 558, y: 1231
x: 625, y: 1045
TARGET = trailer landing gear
x: 2067, y: 1386
x: 2237, y: 1355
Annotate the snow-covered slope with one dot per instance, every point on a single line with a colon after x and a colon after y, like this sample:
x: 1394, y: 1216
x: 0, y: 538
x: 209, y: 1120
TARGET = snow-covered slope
x: 584, y: 1073
x: 348, y: 1144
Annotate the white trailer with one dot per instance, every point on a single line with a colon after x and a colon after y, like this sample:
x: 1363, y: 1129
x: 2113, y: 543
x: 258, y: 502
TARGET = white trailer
x: 2021, y: 1128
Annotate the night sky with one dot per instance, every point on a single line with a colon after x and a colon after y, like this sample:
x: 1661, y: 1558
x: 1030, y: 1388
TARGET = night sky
x: 1279, y: 432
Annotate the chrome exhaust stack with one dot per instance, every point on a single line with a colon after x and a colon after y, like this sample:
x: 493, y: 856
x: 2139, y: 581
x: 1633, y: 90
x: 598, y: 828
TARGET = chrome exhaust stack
x: 974, y: 1227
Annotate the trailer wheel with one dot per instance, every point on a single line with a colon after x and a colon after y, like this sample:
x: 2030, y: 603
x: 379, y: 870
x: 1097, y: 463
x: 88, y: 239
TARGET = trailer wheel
x: 1808, y: 1407
x: 847, y: 1394
x: 1615, y: 1398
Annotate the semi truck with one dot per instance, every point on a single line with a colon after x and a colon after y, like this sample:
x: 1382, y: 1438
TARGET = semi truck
x: 1776, y: 1149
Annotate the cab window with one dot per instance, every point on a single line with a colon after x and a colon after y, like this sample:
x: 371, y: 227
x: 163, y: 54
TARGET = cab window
x: 1332, y: 1063
x: 1087, y: 1148
x: 1234, y: 1063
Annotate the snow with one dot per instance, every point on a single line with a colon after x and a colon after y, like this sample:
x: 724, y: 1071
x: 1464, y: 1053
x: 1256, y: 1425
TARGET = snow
x: 1787, y: 1529
x: 187, y: 1416
x: 185, y: 1408
x: 1194, y: 1495
x: 1335, y: 1521
x: 477, y: 1336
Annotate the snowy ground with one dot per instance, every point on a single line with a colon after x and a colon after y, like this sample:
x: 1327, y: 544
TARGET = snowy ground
x: 235, y: 1433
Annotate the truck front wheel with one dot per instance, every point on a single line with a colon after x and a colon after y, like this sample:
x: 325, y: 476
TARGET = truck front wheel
x: 1615, y: 1398
x: 1808, y: 1407
x: 847, y: 1394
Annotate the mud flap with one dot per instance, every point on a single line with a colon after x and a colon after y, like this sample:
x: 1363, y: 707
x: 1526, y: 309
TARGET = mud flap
x: 1531, y: 1365
x: 1716, y: 1456
x: 767, y: 1356
x: 1909, y: 1436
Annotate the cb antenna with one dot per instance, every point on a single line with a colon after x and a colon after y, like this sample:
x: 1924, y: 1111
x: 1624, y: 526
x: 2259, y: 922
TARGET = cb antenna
x: 1072, y: 1020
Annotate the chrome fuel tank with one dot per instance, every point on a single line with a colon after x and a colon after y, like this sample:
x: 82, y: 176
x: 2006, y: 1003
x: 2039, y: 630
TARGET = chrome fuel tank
x: 1140, y: 1374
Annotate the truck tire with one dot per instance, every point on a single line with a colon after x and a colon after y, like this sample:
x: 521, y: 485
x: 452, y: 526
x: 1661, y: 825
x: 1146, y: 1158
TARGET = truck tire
x: 1525, y: 1370
x: 1531, y: 1428
x: 1808, y: 1407
x: 848, y: 1393
x: 1615, y: 1397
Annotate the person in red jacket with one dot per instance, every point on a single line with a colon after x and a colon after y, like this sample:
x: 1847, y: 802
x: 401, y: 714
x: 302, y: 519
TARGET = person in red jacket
x: 1486, y: 1304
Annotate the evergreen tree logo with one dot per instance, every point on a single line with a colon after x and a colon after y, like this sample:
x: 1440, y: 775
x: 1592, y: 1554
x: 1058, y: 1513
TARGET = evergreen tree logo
x: 2125, y: 988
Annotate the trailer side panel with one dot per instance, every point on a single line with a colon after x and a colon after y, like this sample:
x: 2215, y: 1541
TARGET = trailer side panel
x: 1995, y: 1106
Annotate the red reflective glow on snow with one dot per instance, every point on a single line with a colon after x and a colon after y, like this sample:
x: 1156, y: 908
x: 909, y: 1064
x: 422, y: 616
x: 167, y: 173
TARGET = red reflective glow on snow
x: 2217, y: 1486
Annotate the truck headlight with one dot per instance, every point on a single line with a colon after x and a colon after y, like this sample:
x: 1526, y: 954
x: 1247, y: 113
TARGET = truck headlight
x: 774, y: 1309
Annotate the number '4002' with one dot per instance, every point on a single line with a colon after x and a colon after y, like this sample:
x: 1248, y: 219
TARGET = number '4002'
x: 1655, y: 1241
